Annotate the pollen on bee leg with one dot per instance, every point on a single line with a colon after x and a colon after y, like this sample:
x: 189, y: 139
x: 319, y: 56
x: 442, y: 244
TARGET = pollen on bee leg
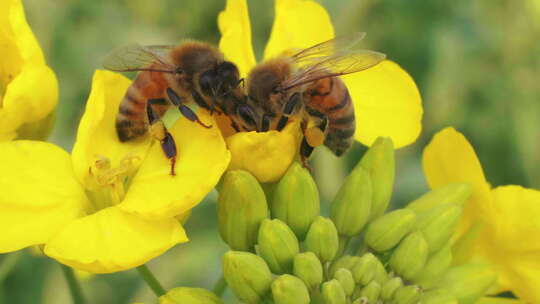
x: 157, y: 130
x: 314, y: 136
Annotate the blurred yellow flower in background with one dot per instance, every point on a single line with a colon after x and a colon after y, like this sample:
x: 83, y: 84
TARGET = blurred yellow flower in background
x: 500, y: 226
x: 110, y: 206
x: 28, y: 87
x: 386, y: 99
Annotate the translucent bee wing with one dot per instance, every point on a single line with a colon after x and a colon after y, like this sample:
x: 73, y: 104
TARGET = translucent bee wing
x: 332, y: 66
x: 329, y: 47
x: 135, y: 57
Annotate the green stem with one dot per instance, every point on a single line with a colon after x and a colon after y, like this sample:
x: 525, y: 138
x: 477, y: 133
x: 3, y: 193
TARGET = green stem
x: 73, y: 284
x: 220, y: 286
x: 151, y: 280
x: 8, y: 262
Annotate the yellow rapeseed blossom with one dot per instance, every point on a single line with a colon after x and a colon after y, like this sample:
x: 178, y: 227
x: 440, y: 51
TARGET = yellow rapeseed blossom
x: 500, y: 226
x: 386, y: 99
x: 28, y: 87
x: 110, y: 206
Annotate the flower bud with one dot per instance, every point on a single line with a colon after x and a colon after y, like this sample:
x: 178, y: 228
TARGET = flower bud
x: 390, y: 287
x: 288, y: 289
x: 407, y: 295
x: 241, y: 209
x: 351, y: 207
x: 247, y: 275
x: 435, y: 267
x: 308, y: 267
x: 438, y: 296
x: 437, y: 224
x: 322, y: 239
x: 381, y: 276
x: 333, y: 293
x: 295, y: 200
x: 371, y: 292
x: 364, y: 270
x: 346, y: 261
x: 345, y: 278
x: 456, y: 193
x: 277, y: 245
x: 410, y: 256
x: 187, y: 295
x: 360, y: 301
x: 468, y: 282
x: 386, y: 231
x: 379, y: 162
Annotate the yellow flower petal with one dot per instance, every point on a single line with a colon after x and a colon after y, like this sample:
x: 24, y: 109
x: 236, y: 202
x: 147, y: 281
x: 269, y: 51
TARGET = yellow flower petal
x: 202, y: 159
x: 38, y: 193
x: 522, y: 276
x: 516, y: 218
x: 513, y: 240
x: 298, y: 24
x: 22, y: 67
x: 450, y: 158
x: 386, y: 103
x: 13, y: 24
x: 96, y: 135
x: 235, y: 40
x: 112, y: 240
x: 32, y: 94
x: 266, y: 155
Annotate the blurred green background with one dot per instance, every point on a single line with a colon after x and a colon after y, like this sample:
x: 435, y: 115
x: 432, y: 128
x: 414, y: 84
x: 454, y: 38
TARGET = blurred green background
x: 476, y: 63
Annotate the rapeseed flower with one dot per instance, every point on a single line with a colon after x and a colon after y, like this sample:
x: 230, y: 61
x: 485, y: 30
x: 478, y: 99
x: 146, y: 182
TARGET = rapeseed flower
x: 386, y: 99
x: 500, y: 226
x: 110, y: 206
x: 28, y: 87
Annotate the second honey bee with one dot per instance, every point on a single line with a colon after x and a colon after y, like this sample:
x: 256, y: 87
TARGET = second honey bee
x: 192, y: 72
x: 306, y: 86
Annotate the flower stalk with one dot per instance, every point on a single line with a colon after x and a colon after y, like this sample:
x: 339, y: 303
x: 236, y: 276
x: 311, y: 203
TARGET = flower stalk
x: 73, y: 285
x: 151, y: 280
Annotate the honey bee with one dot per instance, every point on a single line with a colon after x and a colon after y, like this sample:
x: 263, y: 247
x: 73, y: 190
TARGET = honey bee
x: 306, y: 86
x: 180, y: 76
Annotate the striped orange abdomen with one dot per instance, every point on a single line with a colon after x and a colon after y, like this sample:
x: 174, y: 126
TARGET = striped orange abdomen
x: 330, y: 97
x: 132, y: 120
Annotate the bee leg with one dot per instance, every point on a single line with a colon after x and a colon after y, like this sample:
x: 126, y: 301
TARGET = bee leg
x: 288, y: 110
x: 242, y: 82
x: 189, y: 114
x: 305, y: 152
x: 185, y: 110
x: 159, y: 131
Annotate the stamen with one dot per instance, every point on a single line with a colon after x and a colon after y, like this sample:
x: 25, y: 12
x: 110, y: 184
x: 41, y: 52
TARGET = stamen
x: 113, y: 178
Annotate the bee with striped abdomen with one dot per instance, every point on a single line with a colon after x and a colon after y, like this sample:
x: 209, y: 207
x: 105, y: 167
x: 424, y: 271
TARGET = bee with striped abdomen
x: 192, y: 72
x: 307, y: 86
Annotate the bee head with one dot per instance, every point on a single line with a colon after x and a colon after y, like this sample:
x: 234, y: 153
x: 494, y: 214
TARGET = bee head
x: 219, y: 80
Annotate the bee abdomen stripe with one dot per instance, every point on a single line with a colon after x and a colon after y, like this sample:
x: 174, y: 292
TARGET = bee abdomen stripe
x: 126, y: 110
x: 342, y: 133
x: 342, y: 103
x: 344, y: 120
x: 314, y: 112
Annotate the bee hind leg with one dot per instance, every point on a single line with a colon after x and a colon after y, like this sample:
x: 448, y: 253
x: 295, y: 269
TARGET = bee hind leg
x: 159, y: 131
x: 185, y: 110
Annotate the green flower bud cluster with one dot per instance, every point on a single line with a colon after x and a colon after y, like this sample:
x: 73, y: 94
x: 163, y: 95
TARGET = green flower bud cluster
x: 285, y: 251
